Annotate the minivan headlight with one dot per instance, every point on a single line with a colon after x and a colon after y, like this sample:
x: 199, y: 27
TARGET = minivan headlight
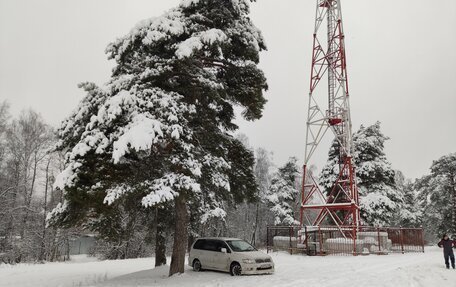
x: 248, y: 261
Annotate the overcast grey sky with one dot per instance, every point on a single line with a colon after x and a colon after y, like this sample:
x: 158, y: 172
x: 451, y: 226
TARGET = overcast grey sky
x: 400, y: 54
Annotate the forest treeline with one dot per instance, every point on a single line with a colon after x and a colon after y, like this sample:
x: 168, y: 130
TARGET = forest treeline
x: 29, y: 164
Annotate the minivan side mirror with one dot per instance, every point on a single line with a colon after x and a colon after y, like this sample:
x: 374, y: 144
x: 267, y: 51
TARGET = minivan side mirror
x: 223, y: 250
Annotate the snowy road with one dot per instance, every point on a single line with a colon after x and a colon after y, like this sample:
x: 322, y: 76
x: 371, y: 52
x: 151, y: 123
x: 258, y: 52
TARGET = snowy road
x: 391, y: 270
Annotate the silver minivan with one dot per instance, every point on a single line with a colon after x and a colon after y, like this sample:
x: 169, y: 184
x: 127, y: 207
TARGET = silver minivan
x: 232, y: 255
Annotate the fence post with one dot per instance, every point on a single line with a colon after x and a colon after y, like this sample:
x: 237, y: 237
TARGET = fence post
x: 306, y: 241
x: 267, y: 239
x: 422, y: 238
x: 290, y: 233
x: 354, y: 240
x: 320, y: 239
x: 378, y: 239
x: 401, y: 234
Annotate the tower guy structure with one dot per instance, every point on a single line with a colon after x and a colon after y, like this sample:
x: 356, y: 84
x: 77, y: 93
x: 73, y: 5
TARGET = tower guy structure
x: 329, y: 78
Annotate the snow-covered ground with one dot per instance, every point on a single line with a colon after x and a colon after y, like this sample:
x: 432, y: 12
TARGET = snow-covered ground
x: 388, y: 270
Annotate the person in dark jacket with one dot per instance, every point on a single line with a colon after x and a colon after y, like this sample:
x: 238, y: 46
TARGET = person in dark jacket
x: 447, y: 245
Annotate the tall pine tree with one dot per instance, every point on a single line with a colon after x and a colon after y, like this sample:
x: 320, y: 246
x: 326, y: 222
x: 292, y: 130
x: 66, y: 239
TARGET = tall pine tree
x: 409, y: 213
x: 437, y: 194
x: 162, y: 129
x: 283, y: 193
x: 379, y: 196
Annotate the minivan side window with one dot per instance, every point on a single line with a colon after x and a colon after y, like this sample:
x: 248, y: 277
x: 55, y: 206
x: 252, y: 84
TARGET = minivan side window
x: 210, y: 245
x: 222, y: 244
x: 199, y: 244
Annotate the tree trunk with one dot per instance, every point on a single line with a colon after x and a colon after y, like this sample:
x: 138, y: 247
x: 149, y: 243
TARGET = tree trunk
x: 43, y: 240
x: 160, y: 238
x: 54, y: 245
x: 180, y: 236
x: 67, y: 249
x: 28, y: 196
x: 190, y: 241
x: 10, y: 227
x: 255, y: 226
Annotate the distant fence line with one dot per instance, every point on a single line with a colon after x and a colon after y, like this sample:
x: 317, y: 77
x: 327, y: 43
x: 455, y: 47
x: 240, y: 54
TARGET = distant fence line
x: 330, y: 240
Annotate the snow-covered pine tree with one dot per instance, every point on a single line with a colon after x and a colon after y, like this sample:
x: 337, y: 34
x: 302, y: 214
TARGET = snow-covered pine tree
x: 409, y: 212
x: 262, y: 169
x: 330, y: 171
x: 379, y: 197
x: 283, y: 193
x: 437, y: 194
x: 161, y: 130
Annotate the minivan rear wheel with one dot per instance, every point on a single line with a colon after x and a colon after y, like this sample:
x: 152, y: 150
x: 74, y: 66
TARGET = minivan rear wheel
x: 197, y: 265
x: 235, y: 269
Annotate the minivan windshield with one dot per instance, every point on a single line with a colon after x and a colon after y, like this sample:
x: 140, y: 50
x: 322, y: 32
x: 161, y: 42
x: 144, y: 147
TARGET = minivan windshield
x: 240, y: 246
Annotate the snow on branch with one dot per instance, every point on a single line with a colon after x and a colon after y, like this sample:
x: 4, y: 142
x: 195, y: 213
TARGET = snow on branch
x: 213, y: 213
x: 149, y: 31
x: 139, y: 135
x: 195, y: 43
x: 54, y: 214
x: 67, y: 176
x: 114, y: 193
x: 166, y: 188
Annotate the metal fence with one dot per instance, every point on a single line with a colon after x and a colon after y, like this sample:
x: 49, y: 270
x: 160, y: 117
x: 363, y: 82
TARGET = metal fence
x: 330, y: 240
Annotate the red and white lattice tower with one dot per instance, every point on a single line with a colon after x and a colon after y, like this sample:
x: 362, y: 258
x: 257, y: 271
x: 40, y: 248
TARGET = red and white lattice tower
x: 329, y: 76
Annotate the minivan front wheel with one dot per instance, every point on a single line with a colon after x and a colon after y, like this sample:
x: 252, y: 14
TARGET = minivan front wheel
x: 235, y: 269
x: 196, y: 265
